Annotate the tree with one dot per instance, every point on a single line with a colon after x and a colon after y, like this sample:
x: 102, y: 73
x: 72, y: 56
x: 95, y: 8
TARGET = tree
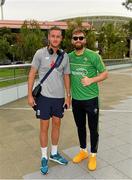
x: 128, y: 28
x: 4, y: 48
x: 30, y: 39
x: 6, y: 38
x: 112, y: 41
x: 128, y: 4
x: 91, y: 39
x: 9, y: 39
x: 68, y: 33
x: 90, y: 35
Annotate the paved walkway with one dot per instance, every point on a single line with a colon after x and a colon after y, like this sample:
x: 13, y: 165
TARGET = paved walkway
x: 19, y: 144
x: 115, y: 150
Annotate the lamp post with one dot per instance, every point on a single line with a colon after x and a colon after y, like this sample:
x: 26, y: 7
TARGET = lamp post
x: 122, y: 42
x: 1, y: 6
x: 13, y: 54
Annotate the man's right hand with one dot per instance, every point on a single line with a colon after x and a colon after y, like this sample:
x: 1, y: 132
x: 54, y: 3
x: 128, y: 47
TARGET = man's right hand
x: 31, y: 101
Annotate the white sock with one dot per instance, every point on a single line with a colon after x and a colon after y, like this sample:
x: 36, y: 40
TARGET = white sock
x: 81, y: 149
x: 44, y: 152
x: 93, y: 154
x: 54, y: 149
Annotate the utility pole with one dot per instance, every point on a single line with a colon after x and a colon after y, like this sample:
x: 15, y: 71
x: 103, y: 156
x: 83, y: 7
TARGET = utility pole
x: 1, y: 6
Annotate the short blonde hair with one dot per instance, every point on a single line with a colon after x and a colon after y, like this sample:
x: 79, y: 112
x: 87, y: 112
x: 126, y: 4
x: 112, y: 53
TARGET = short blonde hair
x: 54, y: 28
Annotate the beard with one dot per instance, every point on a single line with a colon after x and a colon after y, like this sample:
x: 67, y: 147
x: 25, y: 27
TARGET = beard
x: 79, y: 47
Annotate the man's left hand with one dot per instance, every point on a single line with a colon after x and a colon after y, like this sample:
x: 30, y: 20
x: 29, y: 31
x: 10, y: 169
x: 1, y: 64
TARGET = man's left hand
x: 86, y: 81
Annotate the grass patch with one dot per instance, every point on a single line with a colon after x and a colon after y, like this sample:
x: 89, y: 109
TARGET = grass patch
x: 11, y: 76
x: 12, y: 82
x: 13, y: 72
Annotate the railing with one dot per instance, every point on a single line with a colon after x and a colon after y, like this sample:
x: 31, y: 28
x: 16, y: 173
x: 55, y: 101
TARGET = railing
x: 13, y: 80
x: 13, y: 74
x: 110, y: 62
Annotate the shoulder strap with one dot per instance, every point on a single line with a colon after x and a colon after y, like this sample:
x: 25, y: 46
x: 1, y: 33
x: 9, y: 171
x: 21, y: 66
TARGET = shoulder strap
x: 56, y: 64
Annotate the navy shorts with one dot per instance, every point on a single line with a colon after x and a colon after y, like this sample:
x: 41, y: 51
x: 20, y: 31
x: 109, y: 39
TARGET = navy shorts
x: 48, y: 107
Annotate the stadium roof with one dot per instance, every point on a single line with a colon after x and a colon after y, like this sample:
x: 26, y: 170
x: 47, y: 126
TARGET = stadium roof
x: 46, y: 10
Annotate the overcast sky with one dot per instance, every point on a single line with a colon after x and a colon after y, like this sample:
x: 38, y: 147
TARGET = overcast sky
x: 60, y: 9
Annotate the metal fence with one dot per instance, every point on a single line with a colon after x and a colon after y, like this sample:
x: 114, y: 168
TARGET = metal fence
x: 13, y: 74
x: 110, y: 62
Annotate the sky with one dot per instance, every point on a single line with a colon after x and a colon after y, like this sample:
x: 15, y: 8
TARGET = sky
x: 51, y: 10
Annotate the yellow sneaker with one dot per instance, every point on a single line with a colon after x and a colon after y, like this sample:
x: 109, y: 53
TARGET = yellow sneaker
x: 80, y: 156
x: 92, y: 162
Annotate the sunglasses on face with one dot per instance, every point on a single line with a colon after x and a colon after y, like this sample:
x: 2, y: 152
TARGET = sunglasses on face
x: 75, y: 38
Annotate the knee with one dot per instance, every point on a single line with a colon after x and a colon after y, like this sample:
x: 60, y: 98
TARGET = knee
x: 56, y: 125
x: 94, y: 133
x: 44, y: 129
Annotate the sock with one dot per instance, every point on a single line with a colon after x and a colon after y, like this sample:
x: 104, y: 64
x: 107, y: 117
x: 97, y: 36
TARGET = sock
x: 54, y: 149
x: 81, y: 149
x: 93, y: 154
x: 44, y: 152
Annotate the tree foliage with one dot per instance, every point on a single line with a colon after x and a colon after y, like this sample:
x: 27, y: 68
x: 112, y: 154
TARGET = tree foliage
x: 90, y: 35
x: 128, y: 4
x: 91, y: 39
x: 30, y: 39
x: 68, y: 33
x: 128, y: 28
x: 6, y: 37
x: 112, y: 41
x: 4, y: 48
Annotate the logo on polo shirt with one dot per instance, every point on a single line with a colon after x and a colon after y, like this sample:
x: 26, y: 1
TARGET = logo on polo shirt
x: 52, y: 62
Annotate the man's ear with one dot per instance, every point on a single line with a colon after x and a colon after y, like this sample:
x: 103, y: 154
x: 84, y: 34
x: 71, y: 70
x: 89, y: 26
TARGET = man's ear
x: 48, y: 37
x: 61, y: 37
x: 85, y: 40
